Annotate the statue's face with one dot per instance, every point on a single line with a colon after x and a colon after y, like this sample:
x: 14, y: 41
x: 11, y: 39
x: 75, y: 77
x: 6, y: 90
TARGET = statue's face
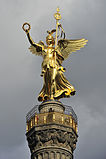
x: 50, y: 40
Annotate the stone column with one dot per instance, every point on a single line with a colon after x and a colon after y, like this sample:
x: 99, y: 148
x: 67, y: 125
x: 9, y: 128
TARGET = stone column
x: 51, y: 131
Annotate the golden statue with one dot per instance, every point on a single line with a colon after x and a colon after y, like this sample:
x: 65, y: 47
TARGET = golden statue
x: 55, y: 85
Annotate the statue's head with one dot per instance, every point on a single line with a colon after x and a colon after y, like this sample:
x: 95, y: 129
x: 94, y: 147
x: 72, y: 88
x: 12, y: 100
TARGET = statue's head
x: 50, y: 39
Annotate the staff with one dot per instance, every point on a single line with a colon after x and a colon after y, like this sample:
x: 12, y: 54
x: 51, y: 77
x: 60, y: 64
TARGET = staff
x: 57, y: 16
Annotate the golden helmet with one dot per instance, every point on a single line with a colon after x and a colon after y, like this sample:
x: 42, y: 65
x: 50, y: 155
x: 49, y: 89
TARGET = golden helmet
x: 50, y: 38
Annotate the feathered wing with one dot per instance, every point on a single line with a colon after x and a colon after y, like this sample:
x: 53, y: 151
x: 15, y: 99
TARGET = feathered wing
x: 66, y: 47
x: 37, y: 48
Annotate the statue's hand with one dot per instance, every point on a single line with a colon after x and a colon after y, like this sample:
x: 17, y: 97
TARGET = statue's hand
x: 26, y: 27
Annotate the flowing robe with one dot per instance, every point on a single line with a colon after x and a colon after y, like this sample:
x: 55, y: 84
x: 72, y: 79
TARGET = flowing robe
x: 55, y: 83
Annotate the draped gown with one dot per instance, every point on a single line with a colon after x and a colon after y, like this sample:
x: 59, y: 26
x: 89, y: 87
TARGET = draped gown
x: 55, y: 83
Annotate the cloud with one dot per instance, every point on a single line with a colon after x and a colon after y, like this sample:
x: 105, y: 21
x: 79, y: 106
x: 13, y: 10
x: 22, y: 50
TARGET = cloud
x: 20, y: 80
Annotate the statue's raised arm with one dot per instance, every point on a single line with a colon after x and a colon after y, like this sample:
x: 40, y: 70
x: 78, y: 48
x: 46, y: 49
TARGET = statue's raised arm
x: 35, y: 48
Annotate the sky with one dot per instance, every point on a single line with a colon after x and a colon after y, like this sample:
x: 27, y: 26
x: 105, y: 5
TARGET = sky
x: 20, y: 81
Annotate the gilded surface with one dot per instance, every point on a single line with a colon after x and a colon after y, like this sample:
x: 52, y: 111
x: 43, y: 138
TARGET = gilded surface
x: 55, y: 85
x: 51, y: 118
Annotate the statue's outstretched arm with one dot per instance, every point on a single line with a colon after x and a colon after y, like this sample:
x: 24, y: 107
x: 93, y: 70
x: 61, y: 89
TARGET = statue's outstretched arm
x: 29, y: 37
x: 32, y: 42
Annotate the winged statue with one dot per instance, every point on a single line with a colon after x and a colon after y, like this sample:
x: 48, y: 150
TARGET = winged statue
x: 57, y: 50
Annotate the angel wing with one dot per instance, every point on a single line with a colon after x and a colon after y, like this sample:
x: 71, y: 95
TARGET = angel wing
x: 37, y: 48
x: 66, y: 47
